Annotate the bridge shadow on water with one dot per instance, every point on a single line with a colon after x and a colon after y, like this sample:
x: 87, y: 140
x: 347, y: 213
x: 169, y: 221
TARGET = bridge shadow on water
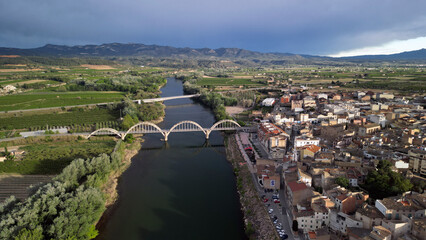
x: 167, y: 145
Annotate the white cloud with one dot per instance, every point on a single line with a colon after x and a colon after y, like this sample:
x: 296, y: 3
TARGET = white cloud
x: 387, y: 48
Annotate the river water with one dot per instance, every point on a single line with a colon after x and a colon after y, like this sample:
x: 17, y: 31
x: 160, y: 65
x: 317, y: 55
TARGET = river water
x: 182, y: 189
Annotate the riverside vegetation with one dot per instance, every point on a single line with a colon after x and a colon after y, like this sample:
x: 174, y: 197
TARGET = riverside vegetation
x: 67, y: 208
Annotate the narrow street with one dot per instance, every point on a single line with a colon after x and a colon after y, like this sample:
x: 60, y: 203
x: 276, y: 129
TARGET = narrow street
x: 279, y: 210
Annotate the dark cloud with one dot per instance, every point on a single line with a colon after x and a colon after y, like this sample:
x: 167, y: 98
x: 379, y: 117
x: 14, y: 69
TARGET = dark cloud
x: 299, y: 26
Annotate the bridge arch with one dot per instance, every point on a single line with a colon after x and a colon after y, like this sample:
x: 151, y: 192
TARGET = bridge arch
x: 146, y: 126
x: 187, y: 125
x: 222, y: 125
x: 105, y: 131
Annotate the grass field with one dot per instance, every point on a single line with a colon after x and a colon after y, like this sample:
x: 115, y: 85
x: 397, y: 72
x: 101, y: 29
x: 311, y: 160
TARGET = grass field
x: 50, y: 155
x: 228, y: 82
x: 39, y: 100
x: 68, y: 118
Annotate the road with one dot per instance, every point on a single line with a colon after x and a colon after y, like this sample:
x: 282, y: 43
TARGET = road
x: 278, y: 210
x: 59, y: 134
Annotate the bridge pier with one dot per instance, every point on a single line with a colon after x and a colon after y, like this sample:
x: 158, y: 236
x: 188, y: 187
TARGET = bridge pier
x: 208, y: 134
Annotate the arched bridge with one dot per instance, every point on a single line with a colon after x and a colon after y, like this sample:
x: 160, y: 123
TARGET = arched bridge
x: 183, y: 126
x: 161, y: 99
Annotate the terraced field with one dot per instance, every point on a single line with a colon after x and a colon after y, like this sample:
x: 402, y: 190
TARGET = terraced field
x: 18, y: 185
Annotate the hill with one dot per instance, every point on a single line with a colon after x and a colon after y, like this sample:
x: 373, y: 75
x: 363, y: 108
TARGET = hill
x: 411, y: 55
x: 188, y: 55
x: 133, y: 49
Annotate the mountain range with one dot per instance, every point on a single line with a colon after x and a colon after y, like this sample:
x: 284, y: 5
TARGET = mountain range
x: 135, y: 49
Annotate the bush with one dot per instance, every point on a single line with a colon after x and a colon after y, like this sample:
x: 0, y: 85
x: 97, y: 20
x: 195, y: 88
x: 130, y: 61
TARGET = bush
x: 129, y: 138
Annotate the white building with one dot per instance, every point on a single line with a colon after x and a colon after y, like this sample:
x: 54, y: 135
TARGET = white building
x: 303, y: 141
x: 312, y: 220
x: 388, y: 96
x: 377, y: 119
x: 401, y: 165
x: 339, y: 222
x: 268, y: 102
x: 304, y: 117
x: 360, y: 95
x: 322, y: 95
x: 9, y: 88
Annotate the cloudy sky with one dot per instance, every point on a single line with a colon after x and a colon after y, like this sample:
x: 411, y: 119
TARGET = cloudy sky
x: 323, y: 27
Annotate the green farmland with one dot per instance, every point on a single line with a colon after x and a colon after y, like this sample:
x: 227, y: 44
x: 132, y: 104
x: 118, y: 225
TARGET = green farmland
x: 73, y: 117
x: 39, y: 100
x: 50, y: 155
x: 228, y: 82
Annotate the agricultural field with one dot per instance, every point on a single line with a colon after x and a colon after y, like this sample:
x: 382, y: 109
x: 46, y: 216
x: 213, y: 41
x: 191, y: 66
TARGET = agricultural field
x: 49, y: 155
x: 229, y: 82
x: 71, y: 117
x: 18, y: 185
x: 46, y: 100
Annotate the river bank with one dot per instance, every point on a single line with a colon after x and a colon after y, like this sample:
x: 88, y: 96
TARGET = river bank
x: 109, y: 189
x: 257, y: 222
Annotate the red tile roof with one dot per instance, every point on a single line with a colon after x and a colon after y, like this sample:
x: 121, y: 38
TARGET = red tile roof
x: 313, y: 148
x: 295, y: 186
x: 342, y: 197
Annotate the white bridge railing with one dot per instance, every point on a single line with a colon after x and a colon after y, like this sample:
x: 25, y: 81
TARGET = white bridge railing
x: 183, y: 126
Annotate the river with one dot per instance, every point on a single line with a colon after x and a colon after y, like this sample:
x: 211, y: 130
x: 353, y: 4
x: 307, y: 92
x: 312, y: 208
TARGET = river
x: 182, y: 189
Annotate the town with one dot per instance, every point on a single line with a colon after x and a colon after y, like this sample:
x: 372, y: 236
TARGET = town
x: 340, y: 164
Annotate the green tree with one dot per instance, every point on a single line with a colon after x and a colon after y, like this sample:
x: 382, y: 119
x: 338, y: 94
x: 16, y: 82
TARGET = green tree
x: 342, y: 181
x: 384, y: 182
x: 129, y: 138
x: 127, y: 122
x: 35, y: 234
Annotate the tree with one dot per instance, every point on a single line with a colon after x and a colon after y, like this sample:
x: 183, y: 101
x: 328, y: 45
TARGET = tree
x: 128, y: 122
x: 35, y: 234
x: 342, y: 181
x: 384, y: 182
x: 129, y: 138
